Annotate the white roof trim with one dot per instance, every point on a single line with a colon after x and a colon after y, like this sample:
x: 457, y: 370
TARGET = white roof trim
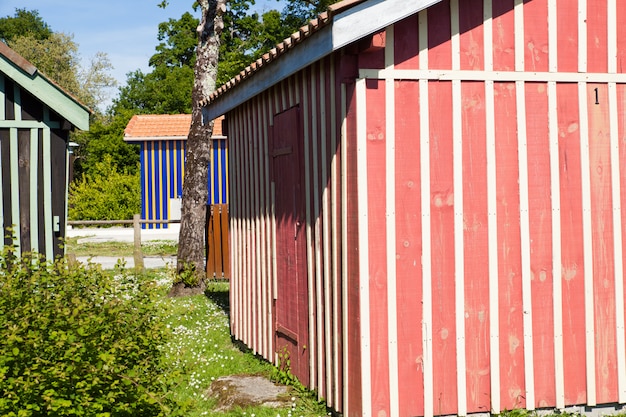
x: 347, y: 27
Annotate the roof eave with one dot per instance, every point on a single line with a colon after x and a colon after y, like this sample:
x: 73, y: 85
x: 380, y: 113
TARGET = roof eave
x: 361, y: 19
x: 47, y: 91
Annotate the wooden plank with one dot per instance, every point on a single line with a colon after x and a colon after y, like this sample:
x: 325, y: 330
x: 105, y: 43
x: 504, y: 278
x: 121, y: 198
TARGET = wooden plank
x: 425, y: 188
x: 476, y: 241
x: 596, y: 21
x: 567, y: 35
x: 390, y: 226
x: 621, y: 281
x: 459, y: 258
x: 572, y: 258
x: 316, y: 227
x: 327, y: 282
x: 24, y: 190
x: 620, y: 334
x: 15, y: 191
x: 442, y: 241
x: 536, y: 35
x: 510, y: 296
x: 557, y: 286
x: 34, y: 188
x: 376, y: 273
x: 541, y: 242
x: 364, y: 263
x: 590, y: 370
x: 210, y: 265
x: 408, y: 247
x: 524, y: 213
x: 602, y: 243
x: 46, y: 157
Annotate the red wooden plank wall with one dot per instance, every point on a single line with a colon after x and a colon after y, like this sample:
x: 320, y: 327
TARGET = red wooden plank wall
x: 317, y: 92
x: 491, y: 151
x: 464, y: 219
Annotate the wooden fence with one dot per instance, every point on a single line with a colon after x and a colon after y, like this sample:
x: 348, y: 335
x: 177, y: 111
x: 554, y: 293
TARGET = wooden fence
x: 218, y: 260
x: 217, y: 256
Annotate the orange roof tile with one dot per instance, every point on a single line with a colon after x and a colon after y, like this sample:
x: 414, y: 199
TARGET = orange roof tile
x: 162, y: 127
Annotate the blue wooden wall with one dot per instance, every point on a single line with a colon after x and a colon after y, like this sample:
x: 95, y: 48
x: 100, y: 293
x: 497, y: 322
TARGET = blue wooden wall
x: 162, y: 173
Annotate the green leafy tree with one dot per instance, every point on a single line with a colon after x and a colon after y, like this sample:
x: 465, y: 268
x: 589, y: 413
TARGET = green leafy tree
x: 105, y: 193
x: 56, y: 55
x: 105, y: 138
x: 23, y: 23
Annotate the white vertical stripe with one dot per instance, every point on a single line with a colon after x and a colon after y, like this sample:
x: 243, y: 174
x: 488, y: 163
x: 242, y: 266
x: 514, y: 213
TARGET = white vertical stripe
x: 364, y: 293
x: 246, y: 225
x: 269, y: 227
x: 529, y: 374
x: 459, y: 252
x: 238, y: 257
x: 309, y: 233
x: 344, y: 252
x: 34, y: 187
x: 519, y: 38
x: 232, y: 184
x: 258, y: 306
x: 390, y: 185
x: 582, y: 35
x: 317, y: 233
x: 266, y: 310
x: 553, y: 64
x: 617, y: 244
x: 492, y: 215
x: 327, y: 278
x: 336, y: 273
x: 46, y: 157
x: 587, y: 244
x: 427, y: 321
x: 15, y: 188
x: 555, y: 186
x: 492, y: 220
x: 611, y: 28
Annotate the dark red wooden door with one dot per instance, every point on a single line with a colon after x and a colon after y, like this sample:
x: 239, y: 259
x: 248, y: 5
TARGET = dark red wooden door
x: 291, y: 297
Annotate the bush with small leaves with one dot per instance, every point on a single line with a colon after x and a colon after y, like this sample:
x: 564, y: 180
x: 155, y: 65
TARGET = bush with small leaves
x: 77, y: 341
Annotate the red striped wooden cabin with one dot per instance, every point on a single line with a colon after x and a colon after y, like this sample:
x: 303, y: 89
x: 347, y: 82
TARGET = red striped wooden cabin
x: 428, y: 205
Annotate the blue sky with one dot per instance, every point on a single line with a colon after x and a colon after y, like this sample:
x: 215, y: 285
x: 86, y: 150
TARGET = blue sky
x: 126, y: 30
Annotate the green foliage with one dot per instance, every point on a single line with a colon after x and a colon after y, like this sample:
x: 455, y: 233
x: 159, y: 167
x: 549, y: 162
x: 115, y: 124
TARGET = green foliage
x: 165, y: 90
x: 56, y: 55
x: 282, y: 373
x: 105, y: 193
x: 189, y: 276
x: 105, y: 137
x: 75, y: 341
x: 23, y: 23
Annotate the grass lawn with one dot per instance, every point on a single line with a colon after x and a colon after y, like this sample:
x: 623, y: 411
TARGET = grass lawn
x: 201, y: 350
x: 149, y: 248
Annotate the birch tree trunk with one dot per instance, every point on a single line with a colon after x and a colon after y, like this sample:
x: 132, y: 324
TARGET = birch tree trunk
x: 191, y: 241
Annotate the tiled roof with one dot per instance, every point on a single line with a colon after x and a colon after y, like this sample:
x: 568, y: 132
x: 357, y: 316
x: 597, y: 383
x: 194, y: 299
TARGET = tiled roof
x: 162, y: 127
x: 296, y: 38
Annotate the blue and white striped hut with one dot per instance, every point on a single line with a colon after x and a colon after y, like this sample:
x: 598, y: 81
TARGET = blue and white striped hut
x: 162, y: 138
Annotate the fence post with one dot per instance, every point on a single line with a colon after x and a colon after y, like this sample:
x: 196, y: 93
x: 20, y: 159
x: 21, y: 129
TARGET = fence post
x: 137, y: 249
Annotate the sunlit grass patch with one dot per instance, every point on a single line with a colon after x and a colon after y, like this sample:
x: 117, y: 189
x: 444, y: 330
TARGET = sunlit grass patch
x: 201, y: 351
x: 149, y: 248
